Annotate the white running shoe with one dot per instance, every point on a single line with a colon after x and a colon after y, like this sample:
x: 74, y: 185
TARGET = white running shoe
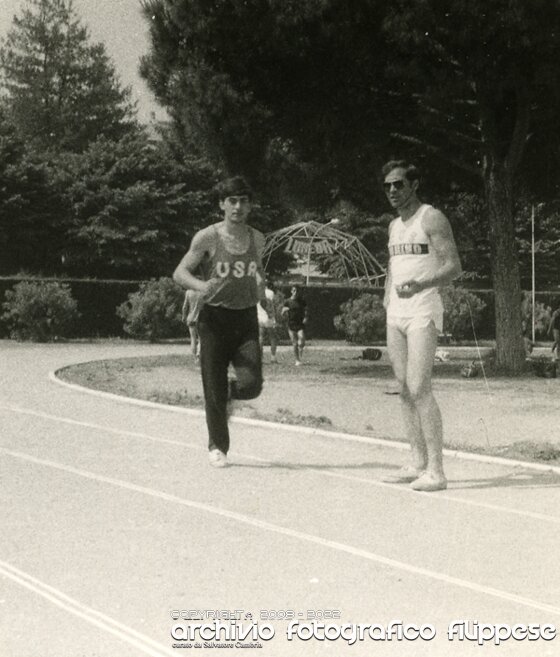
x: 405, y: 475
x: 217, y: 458
x: 428, y: 483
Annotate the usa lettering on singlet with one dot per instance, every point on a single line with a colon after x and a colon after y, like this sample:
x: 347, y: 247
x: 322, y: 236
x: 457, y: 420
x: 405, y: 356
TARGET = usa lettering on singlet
x: 235, y: 275
x: 412, y: 258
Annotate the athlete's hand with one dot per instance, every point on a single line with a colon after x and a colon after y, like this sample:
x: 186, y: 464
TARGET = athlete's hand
x: 408, y: 289
x: 206, y: 287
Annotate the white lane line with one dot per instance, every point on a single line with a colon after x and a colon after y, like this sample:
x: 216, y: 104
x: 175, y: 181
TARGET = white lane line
x: 440, y: 497
x: 449, y: 498
x: 292, y: 533
x: 100, y: 427
x: 185, y: 410
x: 92, y: 616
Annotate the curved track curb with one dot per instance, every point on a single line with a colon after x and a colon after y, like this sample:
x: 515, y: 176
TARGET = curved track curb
x: 482, y: 458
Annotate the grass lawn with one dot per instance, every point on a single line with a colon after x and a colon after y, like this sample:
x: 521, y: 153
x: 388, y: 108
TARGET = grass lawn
x: 337, y: 389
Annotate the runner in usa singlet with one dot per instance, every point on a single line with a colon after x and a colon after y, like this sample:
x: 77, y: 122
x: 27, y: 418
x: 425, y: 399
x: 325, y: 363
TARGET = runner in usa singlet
x: 228, y: 255
x: 234, y: 274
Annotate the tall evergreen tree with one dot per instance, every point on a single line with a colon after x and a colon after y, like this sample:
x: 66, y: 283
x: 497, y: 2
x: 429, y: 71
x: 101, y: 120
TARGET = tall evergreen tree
x: 286, y: 92
x: 133, y: 207
x: 33, y: 209
x: 61, y: 90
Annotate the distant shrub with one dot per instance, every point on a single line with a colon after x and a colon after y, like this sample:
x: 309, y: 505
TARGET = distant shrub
x: 462, y: 311
x: 40, y: 311
x: 543, y: 315
x: 154, y: 311
x: 362, y: 320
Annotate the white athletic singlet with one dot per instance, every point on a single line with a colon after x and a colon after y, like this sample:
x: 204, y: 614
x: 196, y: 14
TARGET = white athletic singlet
x: 412, y: 258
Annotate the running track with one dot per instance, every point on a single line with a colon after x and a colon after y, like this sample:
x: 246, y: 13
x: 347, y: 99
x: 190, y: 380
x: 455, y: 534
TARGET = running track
x: 112, y: 519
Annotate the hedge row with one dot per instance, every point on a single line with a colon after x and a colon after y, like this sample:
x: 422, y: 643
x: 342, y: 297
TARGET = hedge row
x: 97, y: 301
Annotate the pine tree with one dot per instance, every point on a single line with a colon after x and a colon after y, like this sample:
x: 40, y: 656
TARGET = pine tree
x: 33, y: 211
x: 61, y: 90
x: 134, y: 207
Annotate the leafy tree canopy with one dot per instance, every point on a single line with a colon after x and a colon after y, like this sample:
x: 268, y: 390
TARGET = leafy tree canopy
x: 331, y: 88
x: 285, y: 92
x: 61, y: 90
x: 32, y: 207
x: 483, y: 79
x: 134, y: 208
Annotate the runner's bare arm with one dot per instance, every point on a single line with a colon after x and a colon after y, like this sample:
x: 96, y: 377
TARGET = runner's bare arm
x: 387, y: 278
x: 439, y: 232
x: 259, y: 245
x: 200, y: 246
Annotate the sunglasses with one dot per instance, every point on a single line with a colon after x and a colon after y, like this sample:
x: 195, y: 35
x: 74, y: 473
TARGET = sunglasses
x: 397, y: 184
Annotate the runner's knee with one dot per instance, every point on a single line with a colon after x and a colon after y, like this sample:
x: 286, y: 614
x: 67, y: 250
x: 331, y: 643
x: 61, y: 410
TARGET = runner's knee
x: 417, y: 390
x: 246, y: 388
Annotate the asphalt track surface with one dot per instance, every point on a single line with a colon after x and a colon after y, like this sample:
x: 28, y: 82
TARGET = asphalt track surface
x: 112, y: 520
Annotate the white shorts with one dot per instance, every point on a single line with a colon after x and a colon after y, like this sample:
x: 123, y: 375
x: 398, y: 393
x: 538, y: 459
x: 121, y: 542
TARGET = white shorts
x: 407, y: 324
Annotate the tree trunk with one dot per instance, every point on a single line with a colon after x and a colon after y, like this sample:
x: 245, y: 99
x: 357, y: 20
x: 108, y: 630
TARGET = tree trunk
x: 510, y: 348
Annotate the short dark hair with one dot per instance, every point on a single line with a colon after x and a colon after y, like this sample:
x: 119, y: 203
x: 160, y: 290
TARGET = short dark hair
x: 236, y: 186
x: 300, y: 292
x: 410, y: 170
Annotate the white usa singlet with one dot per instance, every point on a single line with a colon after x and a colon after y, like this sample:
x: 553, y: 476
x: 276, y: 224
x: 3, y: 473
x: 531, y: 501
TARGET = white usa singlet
x: 411, y: 257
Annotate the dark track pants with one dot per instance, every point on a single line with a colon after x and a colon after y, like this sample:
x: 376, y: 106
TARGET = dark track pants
x: 227, y: 336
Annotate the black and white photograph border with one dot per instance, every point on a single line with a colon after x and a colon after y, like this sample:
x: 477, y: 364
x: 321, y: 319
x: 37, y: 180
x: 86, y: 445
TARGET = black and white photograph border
x: 119, y: 540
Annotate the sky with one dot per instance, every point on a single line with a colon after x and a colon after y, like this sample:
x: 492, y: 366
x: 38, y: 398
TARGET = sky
x: 118, y: 24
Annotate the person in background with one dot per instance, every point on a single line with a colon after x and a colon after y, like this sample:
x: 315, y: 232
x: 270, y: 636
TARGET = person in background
x: 554, y: 331
x: 191, y: 310
x: 267, y: 321
x: 296, y: 309
x: 528, y: 343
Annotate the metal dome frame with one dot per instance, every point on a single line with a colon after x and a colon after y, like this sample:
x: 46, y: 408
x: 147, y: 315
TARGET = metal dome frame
x: 309, y: 238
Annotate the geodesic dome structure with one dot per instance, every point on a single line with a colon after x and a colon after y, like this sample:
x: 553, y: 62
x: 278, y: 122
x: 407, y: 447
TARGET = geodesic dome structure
x: 311, y: 241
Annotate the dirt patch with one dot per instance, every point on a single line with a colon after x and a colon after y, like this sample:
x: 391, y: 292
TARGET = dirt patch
x: 336, y: 389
